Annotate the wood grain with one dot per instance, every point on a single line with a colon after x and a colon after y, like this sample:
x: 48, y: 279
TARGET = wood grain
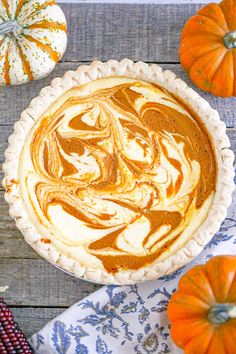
x: 136, y: 31
x: 38, y: 291
x: 13, y: 100
x: 31, y: 320
x: 35, y: 282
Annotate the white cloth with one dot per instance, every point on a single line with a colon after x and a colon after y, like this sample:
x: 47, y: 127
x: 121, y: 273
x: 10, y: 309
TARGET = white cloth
x: 127, y: 319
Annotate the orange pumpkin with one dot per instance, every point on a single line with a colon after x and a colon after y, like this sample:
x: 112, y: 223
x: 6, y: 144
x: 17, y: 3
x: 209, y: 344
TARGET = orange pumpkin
x: 203, y: 309
x: 208, y: 48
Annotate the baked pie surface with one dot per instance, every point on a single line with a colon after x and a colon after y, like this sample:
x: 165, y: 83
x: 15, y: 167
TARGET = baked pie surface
x: 118, y: 175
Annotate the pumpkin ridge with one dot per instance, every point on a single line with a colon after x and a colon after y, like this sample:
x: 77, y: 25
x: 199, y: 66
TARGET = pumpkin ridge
x: 216, y: 262
x: 214, y: 11
x: 209, y: 281
x: 44, y: 47
x: 48, y: 25
x: 25, y: 63
x: 218, y: 67
x: 222, y: 10
x: 216, y: 42
x: 206, y: 53
x: 39, y: 8
x: 203, y: 273
x: 208, y: 345
x: 202, y: 24
x: 6, y: 7
x: 187, y: 342
x: 203, y: 303
x: 191, y: 74
x: 217, y: 342
x: 200, y: 35
x: 210, y: 341
x: 215, y: 23
x: 7, y: 67
x: 215, y: 39
x: 192, y: 317
x: 232, y: 282
x: 21, y: 3
x: 222, y: 6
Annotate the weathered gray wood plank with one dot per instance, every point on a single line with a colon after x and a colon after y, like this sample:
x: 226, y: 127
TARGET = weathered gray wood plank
x: 12, y: 243
x: 138, y: 31
x: 35, y: 282
x: 13, y: 100
x: 31, y: 320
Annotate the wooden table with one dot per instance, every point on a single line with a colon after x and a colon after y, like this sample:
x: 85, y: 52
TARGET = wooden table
x: 37, y: 291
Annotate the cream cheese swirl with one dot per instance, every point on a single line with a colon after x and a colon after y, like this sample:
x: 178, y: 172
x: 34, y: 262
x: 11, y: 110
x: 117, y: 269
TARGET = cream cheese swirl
x: 118, y: 173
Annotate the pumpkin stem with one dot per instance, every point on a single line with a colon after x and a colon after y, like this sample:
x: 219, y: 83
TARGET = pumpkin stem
x: 230, y: 40
x: 221, y: 313
x: 10, y: 27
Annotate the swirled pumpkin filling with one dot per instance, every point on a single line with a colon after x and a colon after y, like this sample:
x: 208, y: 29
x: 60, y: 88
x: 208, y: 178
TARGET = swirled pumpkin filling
x: 118, y: 174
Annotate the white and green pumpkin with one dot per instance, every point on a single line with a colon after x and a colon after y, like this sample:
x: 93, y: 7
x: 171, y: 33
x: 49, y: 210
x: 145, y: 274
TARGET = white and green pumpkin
x: 32, y: 39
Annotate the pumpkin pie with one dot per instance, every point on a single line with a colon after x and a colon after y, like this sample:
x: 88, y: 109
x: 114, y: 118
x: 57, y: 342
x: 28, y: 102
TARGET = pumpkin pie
x: 118, y: 172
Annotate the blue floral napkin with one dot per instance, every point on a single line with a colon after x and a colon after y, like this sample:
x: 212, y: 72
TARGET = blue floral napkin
x: 127, y: 319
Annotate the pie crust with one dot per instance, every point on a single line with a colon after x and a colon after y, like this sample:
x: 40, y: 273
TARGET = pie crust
x: 171, y: 83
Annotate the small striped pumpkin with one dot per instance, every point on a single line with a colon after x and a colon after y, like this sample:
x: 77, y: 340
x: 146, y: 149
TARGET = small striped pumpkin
x: 32, y: 39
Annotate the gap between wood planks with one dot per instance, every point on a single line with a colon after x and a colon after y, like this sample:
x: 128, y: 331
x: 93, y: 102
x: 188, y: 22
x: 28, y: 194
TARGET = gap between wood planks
x: 103, y: 61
